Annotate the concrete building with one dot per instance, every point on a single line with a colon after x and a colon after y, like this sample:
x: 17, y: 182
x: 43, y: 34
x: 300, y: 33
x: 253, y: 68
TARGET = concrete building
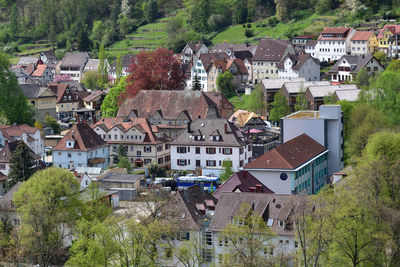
x: 333, y: 43
x: 324, y: 126
x: 267, y: 57
x: 299, y: 66
x: 206, y: 143
x: 81, y: 147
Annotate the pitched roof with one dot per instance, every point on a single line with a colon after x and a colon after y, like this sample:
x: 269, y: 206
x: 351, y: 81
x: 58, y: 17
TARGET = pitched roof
x: 9, y: 148
x: 295, y: 87
x: 349, y: 95
x: 271, y: 50
x: 337, y: 30
x: 356, y: 62
x: 219, y: 99
x: 230, y: 134
x: 93, y: 95
x: 208, y: 58
x: 362, y: 36
x: 39, y: 70
x: 274, y: 207
x: 241, y: 117
x: 276, y: 84
x: 224, y: 47
x: 85, y: 138
x: 321, y: 91
x: 114, y: 177
x: 297, y: 60
x: 172, y: 103
x: 243, y: 55
x: 74, y: 59
x: 92, y: 64
x: 24, y: 61
x: 17, y: 130
x: 242, y: 181
x: 7, y: 200
x: 289, y: 155
x: 140, y: 124
x: 392, y: 28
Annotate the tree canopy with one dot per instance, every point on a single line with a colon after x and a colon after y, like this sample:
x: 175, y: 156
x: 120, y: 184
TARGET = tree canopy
x: 279, y: 107
x: 109, y: 107
x: 225, y: 84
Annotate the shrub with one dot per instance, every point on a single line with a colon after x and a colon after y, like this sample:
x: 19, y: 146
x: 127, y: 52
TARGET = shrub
x: 249, y: 25
x: 249, y: 33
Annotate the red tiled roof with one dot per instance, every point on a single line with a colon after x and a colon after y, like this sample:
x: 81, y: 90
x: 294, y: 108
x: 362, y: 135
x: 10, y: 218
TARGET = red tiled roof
x: 362, y: 35
x: 289, y: 155
x: 392, y: 28
x: 85, y: 138
x: 242, y: 181
x: 336, y: 30
x: 39, y: 70
x: 220, y: 100
x: 60, y: 91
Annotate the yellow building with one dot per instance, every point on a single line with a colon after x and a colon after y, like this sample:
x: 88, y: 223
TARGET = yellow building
x: 42, y: 99
x: 384, y: 35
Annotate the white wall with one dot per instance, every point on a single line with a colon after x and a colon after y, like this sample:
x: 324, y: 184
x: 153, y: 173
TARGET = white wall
x: 272, y: 180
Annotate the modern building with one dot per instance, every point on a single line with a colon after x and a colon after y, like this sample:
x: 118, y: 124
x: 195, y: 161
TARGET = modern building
x: 324, y: 126
x: 297, y: 166
x: 299, y: 66
x: 136, y: 135
x: 348, y: 66
x: 333, y: 43
x: 73, y: 64
x: 267, y: 57
x: 81, y: 146
x: 206, y: 143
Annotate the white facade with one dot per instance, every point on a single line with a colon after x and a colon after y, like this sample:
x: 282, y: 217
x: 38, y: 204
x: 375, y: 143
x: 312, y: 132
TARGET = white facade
x: 201, y: 72
x: 332, y: 49
x: 310, y: 70
x: 33, y: 140
x: 310, y: 49
x: 188, y: 54
x: 195, y: 157
x: 344, y: 70
x: 70, y: 159
x: 272, y: 180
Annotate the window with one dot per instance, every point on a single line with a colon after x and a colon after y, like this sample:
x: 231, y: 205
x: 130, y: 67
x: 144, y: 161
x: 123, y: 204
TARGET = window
x: 296, y: 244
x: 281, y: 223
x: 147, y: 161
x: 206, y: 255
x: 181, y: 162
x: 167, y: 158
x: 69, y: 155
x: 241, y: 150
x: 197, y: 150
x: 2, y: 166
x: 181, y: 149
x: 198, y: 163
x: 210, y: 163
x: 160, y: 160
x: 138, y: 153
x: 207, y: 238
x: 210, y: 150
x: 227, y: 151
x: 147, y: 149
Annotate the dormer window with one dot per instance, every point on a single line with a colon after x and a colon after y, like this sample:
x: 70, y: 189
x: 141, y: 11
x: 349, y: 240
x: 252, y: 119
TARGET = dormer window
x: 281, y: 223
x: 215, y: 138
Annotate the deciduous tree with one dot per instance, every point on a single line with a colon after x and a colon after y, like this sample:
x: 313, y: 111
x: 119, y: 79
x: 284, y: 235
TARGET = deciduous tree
x: 256, y: 101
x: 301, y: 101
x: 225, y: 84
x: 279, y: 108
x: 109, y: 107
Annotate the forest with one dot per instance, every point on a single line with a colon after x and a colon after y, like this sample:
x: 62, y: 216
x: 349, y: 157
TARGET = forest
x: 84, y: 25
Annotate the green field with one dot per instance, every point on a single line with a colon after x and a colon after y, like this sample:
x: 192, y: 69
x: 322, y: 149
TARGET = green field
x: 240, y: 102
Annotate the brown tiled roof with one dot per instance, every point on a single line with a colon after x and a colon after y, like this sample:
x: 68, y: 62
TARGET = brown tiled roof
x: 362, y: 35
x: 30, y: 68
x: 272, y: 206
x: 337, y: 30
x: 242, y: 181
x: 270, y: 50
x: 220, y: 100
x: 289, y: 155
x: 60, y: 91
x: 297, y: 60
x: 93, y: 95
x: 207, y: 59
x: 171, y: 103
x: 39, y: 71
x: 9, y: 148
x: 392, y: 28
x: 85, y: 138
x: 140, y: 124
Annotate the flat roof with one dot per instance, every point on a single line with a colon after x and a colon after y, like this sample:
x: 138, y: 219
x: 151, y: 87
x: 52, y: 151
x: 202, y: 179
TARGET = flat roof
x: 303, y: 114
x: 120, y: 178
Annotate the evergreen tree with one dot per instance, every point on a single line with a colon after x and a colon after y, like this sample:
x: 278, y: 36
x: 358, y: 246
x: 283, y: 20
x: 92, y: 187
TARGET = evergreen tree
x: 22, y: 165
x: 14, y: 22
x: 196, y: 83
x: 102, y: 69
x: 83, y: 41
x: 151, y: 10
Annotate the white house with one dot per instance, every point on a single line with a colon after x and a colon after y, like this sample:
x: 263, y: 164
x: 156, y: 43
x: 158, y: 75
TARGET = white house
x: 73, y: 64
x: 299, y: 66
x: 206, y: 143
x: 81, y: 147
x: 348, y: 66
x: 333, y: 43
x: 193, y: 51
x: 126, y: 62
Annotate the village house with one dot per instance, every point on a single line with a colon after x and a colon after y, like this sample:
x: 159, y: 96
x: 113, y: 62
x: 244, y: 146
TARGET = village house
x: 297, y: 166
x: 48, y: 58
x: 348, y: 95
x: 141, y: 144
x: 310, y: 48
x: 193, y: 51
x: 348, y: 66
x: 300, y: 42
x: 267, y: 57
x: 170, y: 111
x: 299, y: 66
x: 81, y: 146
x: 315, y: 94
x: 384, y: 44
x: 242, y: 181
x: 231, y: 49
x: 247, y: 120
x: 22, y: 76
x: 93, y: 102
x: 206, y: 143
x: 126, y: 62
x: 93, y: 66
x: 73, y: 64
x: 364, y: 42
x: 247, y: 58
x: 235, y: 66
x: 42, y: 75
x: 333, y: 43
x: 324, y: 126
x: 225, y: 108
x: 291, y: 89
x: 42, y: 99
x: 277, y: 212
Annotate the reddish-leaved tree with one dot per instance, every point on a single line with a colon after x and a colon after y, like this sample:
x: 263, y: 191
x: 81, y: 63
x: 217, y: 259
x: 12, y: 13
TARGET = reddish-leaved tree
x: 156, y: 70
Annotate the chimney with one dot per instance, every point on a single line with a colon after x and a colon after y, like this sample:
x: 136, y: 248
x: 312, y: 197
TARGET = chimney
x: 188, y: 126
x: 75, y: 174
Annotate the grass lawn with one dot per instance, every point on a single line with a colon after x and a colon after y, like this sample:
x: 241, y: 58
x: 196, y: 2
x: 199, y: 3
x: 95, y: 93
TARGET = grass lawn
x: 240, y: 102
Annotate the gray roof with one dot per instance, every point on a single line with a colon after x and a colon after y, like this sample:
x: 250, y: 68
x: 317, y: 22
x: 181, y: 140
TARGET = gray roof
x: 88, y: 170
x: 92, y: 64
x: 229, y: 134
x: 113, y: 177
x: 6, y: 200
x: 278, y: 83
x: 294, y: 87
x: 275, y: 206
x: 349, y: 95
x: 223, y: 47
x: 20, y: 72
x: 356, y: 62
x: 27, y: 60
x: 126, y: 61
x: 271, y: 50
x: 32, y: 90
x: 74, y: 59
x: 321, y: 91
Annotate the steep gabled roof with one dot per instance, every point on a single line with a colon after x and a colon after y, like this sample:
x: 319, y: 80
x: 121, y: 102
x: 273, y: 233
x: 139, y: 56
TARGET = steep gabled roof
x: 171, y: 103
x: 271, y: 50
x: 74, y: 59
x: 242, y: 181
x: 220, y: 100
x: 6, y: 202
x: 289, y: 155
x: 392, y: 28
x: 356, y: 62
x: 208, y: 58
x: 39, y: 70
x: 85, y: 138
